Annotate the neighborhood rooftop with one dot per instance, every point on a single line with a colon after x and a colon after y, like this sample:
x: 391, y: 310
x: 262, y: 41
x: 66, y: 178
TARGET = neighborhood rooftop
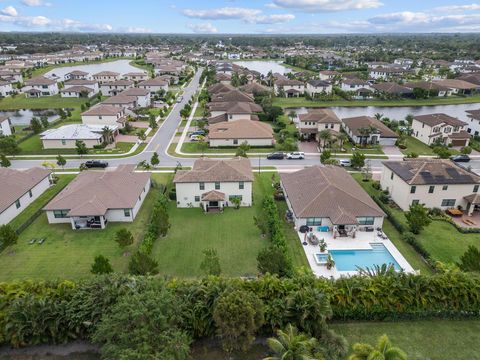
x: 210, y: 170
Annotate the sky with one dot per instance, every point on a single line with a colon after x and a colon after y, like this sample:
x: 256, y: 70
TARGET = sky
x: 242, y: 17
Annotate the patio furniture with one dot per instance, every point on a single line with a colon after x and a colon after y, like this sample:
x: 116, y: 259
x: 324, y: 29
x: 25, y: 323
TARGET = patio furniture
x: 41, y: 241
x: 468, y: 222
x: 454, y: 212
x: 33, y: 241
x: 312, y: 239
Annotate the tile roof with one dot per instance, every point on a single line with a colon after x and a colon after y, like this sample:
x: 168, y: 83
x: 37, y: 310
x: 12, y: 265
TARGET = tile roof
x: 456, y: 84
x: 438, y: 119
x: 213, y: 195
x: 232, y: 95
x: 106, y: 73
x: 219, y: 88
x: 392, y: 88
x: 103, y: 110
x: 475, y: 114
x: 211, y: 170
x: 359, y: 122
x: 233, y: 107
x: 39, y: 80
x: 320, y: 116
x: 240, y: 129
x: 75, y: 132
x: 328, y: 192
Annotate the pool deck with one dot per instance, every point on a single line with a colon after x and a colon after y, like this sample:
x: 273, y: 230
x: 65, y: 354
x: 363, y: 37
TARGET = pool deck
x: 361, y: 242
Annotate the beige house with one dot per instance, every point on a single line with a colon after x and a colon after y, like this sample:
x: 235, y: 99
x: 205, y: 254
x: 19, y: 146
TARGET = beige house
x: 435, y: 183
x: 234, y: 133
x: 233, y: 111
x: 65, y: 137
x: 154, y: 85
x: 327, y: 198
x: 95, y: 198
x: 19, y: 189
x: 289, y: 88
x: 40, y: 86
x: 105, y: 115
x: 368, y: 130
x: 136, y: 76
x: 318, y: 87
x: 440, y: 127
x: 106, y: 76
x: 316, y: 120
x: 213, y: 184
x: 113, y: 88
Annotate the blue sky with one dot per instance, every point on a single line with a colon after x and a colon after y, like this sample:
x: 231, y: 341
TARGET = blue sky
x: 231, y: 16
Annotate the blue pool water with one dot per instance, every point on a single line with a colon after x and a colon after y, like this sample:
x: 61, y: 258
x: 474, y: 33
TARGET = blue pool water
x: 349, y: 260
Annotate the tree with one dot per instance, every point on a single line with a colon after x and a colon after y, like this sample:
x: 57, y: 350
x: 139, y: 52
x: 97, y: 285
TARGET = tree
x: 8, y: 236
x: 36, y: 125
x: 107, y: 134
x: 291, y: 345
x: 210, y: 264
x: 382, y: 351
x: 325, y: 136
x: 9, y: 146
x: 470, y: 260
x: 44, y: 121
x: 142, y: 136
x: 243, y: 149
x: 124, y: 237
x: 154, y: 160
x: 292, y: 115
x: 61, y: 161
x: 152, y: 122
x: 4, y: 162
x: 142, y: 264
x: 101, y: 265
x: 466, y: 150
x: 358, y: 159
x: 442, y: 152
x: 238, y: 314
x: 342, y: 138
x: 325, y: 155
x: 81, y: 147
x: 202, y: 146
x: 417, y: 218
x: 274, y: 260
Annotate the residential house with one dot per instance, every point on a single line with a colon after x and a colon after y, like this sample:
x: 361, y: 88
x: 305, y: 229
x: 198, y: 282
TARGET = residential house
x: 106, y: 76
x: 6, y: 88
x: 19, y: 189
x: 387, y: 73
x: 102, y: 114
x: 40, y: 86
x: 328, y: 75
x: 316, y: 120
x: 136, y: 76
x: 78, y: 91
x: 92, y: 84
x: 289, y: 88
x: 154, y: 85
x: 11, y: 76
x: 6, y: 126
x: 360, y: 88
x: 391, y: 89
x: 254, y: 88
x: 457, y: 86
x: 234, y: 133
x: 327, y: 198
x: 440, y: 127
x: 432, y: 88
x: 220, y: 88
x: 113, y: 88
x: 436, y: 183
x: 318, y: 87
x: 232, y: 111
x: 76, y: 75
x: 232, y: 96
x: 95, y: 198
x: 66, y: 136
x: 142, y: 96
x: 213, y: 184
x: 474, y: 123
x: 127, y: 102
x: 223, y: 78
x: 365, y: 130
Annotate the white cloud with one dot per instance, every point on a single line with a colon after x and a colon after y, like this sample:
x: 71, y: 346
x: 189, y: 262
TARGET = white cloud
x: 270, y: 19
x: 33, y: 3
x: 205, y: 28
x: 248, y: 15
x: 457, y: 8
x: 327, y: 5
x: 10, y: 11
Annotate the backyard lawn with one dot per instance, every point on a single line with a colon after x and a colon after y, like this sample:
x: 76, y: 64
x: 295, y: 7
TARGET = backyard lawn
x: 46, y: 102
x: 233, y: 234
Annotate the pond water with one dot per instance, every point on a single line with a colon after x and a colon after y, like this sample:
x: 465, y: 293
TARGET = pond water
x: 263, y: 67
x: 399, y: 113
x: 23, y: 117
x: 120, y: 66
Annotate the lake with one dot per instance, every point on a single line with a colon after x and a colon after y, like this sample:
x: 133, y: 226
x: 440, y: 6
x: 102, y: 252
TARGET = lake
x: 23, y: 117
x: 120, y: 66
x: 399, y: 113
x: 263, y: 67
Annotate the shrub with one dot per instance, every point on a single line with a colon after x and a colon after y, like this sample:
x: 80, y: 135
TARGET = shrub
x: 8, y: 236
x: 210, y: 264
x: 376, y: 185
x: 101, y: 265
x: 417, y: 218
x: 435, y: 211
x: 470, y: 260
x: 142, y: 264
x: 124, y: 237
x: 274, y: 261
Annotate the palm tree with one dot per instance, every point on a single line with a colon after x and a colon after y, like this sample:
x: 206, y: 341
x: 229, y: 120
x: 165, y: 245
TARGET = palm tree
x: 378, y: 116
x: 107, y: 134
x: 326, y: 136
x: 342, y: 138
x: 292, y: 114
x: 291, y: 345
x: 383, y: 351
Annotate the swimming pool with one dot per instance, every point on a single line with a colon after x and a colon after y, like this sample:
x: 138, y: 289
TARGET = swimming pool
x: 349, y: 260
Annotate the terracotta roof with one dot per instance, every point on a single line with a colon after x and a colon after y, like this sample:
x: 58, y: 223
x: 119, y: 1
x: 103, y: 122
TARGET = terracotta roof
x: 103, y: 110
x: 213, y: 195
x: 456, y: 84
x: 210, y: 170
x: 233, y: 95
x: 431, y: 171
x: 328, y: 192
x: 94, y: 192
x: 475, y: 114
x: 15, y: 183
x: 77, y: 89
x: 254, y: 88
x: 438, y: 119
x: 462, y: 134
x: 40, y: 80
x: 233, y: 107
x: 219, y: 88
x: 240, y: 129
x: 425, y: 85
x: 153, y: 82
x: 106, y: 73
x: 392, y: 88
x: 359, y: 122
x: 320, y: 116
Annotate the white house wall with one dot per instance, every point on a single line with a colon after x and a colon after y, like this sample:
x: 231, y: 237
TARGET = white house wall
x: 186, y: 192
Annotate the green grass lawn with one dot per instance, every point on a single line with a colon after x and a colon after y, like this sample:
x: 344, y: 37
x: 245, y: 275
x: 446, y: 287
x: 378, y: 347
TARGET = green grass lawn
x: 421, y: 340
x: 416, y: 146
x: 375, y: 149
x: 194, y: 147
x: 302, y: 102
x: 46, y: 102
x: 233, y: 234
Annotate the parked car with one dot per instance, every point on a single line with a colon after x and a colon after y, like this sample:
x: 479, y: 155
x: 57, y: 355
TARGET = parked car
x: 96, y: 164
x: 460, y: 158
x: 198, y: 132
x: 297, y: 155
x: 179, y: 99
x: 196, y: 137
x: 345, y: 162
x: 276, y: 156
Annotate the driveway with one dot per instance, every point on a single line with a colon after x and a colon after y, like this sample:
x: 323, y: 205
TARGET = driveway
x: 308, y: 146
x: 392, y: 150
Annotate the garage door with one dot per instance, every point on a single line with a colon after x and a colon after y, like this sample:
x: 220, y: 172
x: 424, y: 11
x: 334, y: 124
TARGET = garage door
x: 459, y: 142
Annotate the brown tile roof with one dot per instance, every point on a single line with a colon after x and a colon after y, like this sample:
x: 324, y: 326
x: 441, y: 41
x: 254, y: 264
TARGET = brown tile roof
x: 94, y: 192
x: 120, y: 82
x: 320, y: 116
x: 233, y: 95
x: 219, y: 88
x: 40, y: 80
x: 240, y: 129
x: 328, y: 192
x: 153, y: 82
x: 438, y: 119
x: 81, y: 82
x: 392, y: 88
x: 213, y: 195
x: 78, y: 73
x: 425, y: 85
x: 119, y: 99
x: 254, y: 88
x: 15, y: 183
x: 288, y: 82
x: 103, y: 110
x: 431, y: 171
x: 210, y: 170
x: 475, y: 114
x: 77, y: 89
x: 106, y: 73
x: 135, y: 92
x: 232, y: 107
x: 356, y: 123
x: 456, y: 84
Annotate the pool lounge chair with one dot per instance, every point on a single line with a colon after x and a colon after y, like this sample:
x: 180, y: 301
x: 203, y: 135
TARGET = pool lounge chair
x: 41, y: 241
x: 33, y: 241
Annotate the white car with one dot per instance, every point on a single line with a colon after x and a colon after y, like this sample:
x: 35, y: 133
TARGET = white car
x: 345, y: 162
x: 196, y: 137
x: 296, y: 155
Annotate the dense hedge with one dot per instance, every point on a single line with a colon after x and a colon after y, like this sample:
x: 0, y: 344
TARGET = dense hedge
x: 54, y: 312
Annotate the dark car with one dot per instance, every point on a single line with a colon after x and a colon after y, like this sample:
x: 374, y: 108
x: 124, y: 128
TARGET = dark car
x: 276, y: 156
x: 96, y: 164
x: 460, y: 158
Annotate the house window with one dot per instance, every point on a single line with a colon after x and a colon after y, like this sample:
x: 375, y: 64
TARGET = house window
x: 201, y: 186
x: 231, y: 197
x: 366, y: 220
x: 30, y: 193
x: 241, y: 185
x: 64, y: 142
x: 413, y: 189
x: 235, y: 141
x: 126, y: 212
x: 314, y: 221
x: 326, y: 126
x: 17, y: 203
x: 448, y: 202
x: 431, y: 189
x: 415, y: 202
x: 100, y: 118
x: 217, y: 186
x: 391, y: 176
x: 197, y: 198
x: 60, y: 214
x: 445, y: 187
x: 475, y: 188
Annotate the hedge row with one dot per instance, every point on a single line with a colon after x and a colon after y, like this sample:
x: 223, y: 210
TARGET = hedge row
x: 153, y: 229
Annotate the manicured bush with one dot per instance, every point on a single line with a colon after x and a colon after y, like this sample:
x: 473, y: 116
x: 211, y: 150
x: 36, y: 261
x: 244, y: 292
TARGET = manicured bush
x: 273, y: 260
